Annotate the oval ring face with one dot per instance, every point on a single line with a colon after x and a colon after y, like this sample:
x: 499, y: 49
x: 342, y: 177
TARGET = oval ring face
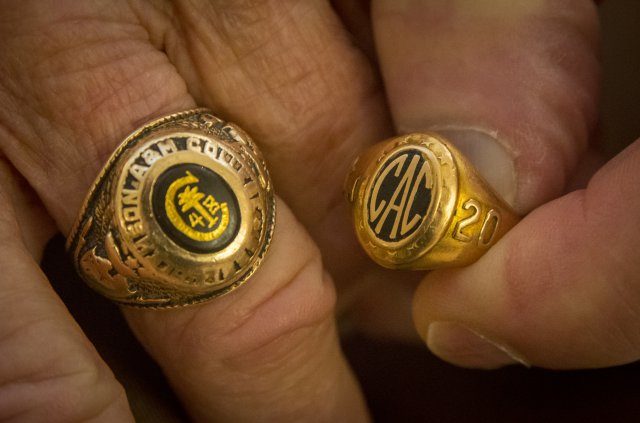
x: 403, y: 193
x: 192, y: 211
x: 400, y: 194
x: 196, y: 208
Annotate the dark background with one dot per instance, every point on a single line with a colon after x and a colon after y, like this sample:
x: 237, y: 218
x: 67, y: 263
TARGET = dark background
x: 406, y: 383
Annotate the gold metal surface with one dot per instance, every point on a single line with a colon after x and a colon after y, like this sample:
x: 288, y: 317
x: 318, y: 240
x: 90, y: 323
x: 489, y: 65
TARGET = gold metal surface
x: 417, y: 203
x: 183, y: 211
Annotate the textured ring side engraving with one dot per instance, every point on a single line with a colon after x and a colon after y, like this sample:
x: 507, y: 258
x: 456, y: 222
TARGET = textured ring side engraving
x: 183, y: 212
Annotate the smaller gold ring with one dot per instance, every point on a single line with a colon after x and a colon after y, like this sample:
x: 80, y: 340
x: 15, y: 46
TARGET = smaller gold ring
x: 182, y: 212
x: 417, y: 203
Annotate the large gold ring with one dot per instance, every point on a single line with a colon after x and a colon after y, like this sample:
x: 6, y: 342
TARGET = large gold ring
x: 417, y: 203
x: 182, y: 212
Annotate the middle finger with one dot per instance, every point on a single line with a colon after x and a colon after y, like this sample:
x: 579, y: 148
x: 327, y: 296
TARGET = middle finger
x: 289, y: 71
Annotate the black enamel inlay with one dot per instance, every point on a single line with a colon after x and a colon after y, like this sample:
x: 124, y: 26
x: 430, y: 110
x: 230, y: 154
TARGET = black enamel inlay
x: 195, y: 206
x: 399, y: 178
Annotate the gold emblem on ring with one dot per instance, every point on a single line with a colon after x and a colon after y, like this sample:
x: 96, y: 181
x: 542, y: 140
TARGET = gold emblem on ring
x: 204, y: 210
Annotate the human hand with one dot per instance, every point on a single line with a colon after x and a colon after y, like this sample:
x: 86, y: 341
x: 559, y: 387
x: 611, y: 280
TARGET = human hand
x: 561, y: 289
x: 78, y: 77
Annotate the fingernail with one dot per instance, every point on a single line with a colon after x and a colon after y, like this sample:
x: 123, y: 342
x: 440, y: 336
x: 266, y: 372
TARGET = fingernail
x: 462, y: 346
x: 490, y: 157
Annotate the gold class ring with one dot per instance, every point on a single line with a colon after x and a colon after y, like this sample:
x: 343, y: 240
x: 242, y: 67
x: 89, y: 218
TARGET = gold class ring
x: 182, y: 212
x: 417, y: 203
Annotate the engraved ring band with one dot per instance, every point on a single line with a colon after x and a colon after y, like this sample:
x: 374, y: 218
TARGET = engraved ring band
x: 182, y: 212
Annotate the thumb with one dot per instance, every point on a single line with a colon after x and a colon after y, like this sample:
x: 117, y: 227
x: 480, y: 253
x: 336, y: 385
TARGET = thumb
x: 512, y: 83
x: 560, y: 290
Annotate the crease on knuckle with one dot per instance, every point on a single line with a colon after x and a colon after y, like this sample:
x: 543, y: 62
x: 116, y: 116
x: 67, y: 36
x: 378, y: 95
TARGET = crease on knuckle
x: 301, y: 303
x: 83, y: 81
x: 272, y: 51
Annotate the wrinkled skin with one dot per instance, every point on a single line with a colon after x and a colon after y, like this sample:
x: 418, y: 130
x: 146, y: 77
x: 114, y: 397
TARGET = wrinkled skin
x: 513, y: 83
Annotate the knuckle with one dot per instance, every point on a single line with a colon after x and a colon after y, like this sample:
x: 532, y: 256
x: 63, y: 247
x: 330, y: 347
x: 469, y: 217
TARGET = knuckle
x: 304, y: 300
x: 293, y: 97
x: 71, y: 92
x: 279, y: 331
x: 289, y: 293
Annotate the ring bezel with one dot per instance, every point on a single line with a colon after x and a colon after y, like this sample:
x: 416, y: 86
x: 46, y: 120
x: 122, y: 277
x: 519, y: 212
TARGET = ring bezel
x: 195, y: 267
x: 441, y: 208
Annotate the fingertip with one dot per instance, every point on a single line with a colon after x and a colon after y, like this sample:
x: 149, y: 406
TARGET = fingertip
x: 555, y: 291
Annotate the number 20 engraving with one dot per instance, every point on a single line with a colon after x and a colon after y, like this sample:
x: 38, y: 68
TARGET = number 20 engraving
x: 489, y: 225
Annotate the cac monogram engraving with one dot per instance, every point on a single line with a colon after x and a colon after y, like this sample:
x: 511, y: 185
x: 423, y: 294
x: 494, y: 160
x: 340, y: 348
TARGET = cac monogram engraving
x: 400, y: 196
